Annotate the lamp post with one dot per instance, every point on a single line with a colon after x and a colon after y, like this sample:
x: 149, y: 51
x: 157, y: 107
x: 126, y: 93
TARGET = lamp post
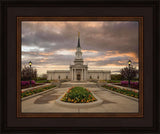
x: 30, y: 64
x: 129, y: 63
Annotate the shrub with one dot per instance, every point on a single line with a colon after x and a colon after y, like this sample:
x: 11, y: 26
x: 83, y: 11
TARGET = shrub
x: 25, y: 83
x: 133, y: 84
x: 33, y: 82
x: 116, y: 77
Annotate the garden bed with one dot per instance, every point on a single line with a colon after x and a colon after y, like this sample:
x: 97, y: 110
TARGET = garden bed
x: 34, y: 91
x: 33, y: 85
x: 134, y: 87
x: 78, y: 95
x: 123, y: 91
x: 134, y: 84
x: 26, y: 84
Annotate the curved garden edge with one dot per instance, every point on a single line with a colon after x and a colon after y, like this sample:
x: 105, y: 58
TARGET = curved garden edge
x: 33, y: 95
x: 129, y: 97
x: 30, y: 88
x: 80, y: 105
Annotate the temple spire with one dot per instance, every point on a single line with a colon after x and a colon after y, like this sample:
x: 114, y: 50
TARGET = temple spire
x: 78, y: 39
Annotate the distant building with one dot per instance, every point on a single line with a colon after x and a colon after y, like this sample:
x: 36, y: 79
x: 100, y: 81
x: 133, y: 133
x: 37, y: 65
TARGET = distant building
x: 78, y: 71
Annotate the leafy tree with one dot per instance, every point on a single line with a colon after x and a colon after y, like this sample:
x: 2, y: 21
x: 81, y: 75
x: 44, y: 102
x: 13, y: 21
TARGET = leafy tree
x: 42, y: 77
x: 126, y: 73
x: 116, y: 77
x: 28, y: 73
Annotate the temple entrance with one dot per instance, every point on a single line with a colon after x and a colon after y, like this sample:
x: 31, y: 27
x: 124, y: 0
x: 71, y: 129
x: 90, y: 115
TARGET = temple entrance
x: 78, y: 77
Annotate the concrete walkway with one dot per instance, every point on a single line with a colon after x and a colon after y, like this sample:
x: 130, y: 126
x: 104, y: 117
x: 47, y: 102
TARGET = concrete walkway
x: 112, y: 103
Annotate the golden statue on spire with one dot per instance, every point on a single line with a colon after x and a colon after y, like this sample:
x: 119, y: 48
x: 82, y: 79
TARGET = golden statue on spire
x: 78, y: 34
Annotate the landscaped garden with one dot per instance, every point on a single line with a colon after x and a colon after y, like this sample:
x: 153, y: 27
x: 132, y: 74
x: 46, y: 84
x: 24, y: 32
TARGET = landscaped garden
x: 123, y: 91
x: 27, y: 84
x: 36, y: 90
x: 133, y: 83
x: 43, y: 81
x: 78, y: 95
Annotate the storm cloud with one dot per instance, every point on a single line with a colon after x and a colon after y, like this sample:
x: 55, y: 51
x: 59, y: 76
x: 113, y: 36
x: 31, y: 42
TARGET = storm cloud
x: 105, y: 44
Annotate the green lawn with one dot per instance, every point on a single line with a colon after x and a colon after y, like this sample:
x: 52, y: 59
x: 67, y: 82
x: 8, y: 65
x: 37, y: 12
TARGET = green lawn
x: 43, y: 81
x: 119, y: 81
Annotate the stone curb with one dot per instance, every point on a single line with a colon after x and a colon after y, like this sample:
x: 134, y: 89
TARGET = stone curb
x: 129, y: 97
x: 82, y: 105
x: 31, y: 96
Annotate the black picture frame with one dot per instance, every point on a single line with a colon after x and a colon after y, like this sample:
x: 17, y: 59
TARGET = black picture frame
x: 11, y: 9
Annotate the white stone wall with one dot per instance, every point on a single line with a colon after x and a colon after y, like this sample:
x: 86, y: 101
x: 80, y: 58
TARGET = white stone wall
x: 55, y: 75
x: 103, y: 75
x: 99, y: 75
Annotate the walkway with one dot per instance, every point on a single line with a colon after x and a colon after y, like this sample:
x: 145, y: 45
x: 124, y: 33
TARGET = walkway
x: 112, y: 103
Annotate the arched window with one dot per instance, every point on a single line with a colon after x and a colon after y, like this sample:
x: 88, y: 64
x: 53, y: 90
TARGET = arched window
x: 59, y: 77
x: 97, y: 77
x: 66, y: 77
x: 90, y: 77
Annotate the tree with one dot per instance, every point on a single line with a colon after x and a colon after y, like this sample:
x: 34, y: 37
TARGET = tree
x: 42, y: 77
x: 27, y: 73
x: 116, y: 77
x: 126, y: 74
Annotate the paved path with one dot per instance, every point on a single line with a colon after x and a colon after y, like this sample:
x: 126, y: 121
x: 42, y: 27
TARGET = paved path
x: 112, y: 103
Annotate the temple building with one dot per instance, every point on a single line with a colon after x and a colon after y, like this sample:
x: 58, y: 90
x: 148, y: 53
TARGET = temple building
x: 78, y: 71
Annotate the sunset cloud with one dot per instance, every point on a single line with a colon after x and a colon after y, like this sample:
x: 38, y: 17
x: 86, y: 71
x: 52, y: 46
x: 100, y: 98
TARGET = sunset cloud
x: 105, y: 44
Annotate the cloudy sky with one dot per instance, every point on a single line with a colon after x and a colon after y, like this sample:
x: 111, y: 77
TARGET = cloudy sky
x: 106, y: 45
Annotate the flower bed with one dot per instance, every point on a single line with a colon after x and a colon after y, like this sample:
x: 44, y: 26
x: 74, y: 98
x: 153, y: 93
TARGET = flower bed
x: 26, y: 84
x: 123, y: 91
x: 78, y: 95
x: 132, y: 84
x: 34, y: 91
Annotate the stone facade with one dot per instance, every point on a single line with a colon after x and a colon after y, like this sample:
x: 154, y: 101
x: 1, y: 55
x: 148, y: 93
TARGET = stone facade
x: 78, y: 71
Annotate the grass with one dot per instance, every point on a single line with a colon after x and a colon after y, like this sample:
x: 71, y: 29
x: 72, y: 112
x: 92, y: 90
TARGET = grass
x: 43, y: 81
x: 119, y: 81
x: 123, y: 91
x: 78, y: 95
x: 34, y: 91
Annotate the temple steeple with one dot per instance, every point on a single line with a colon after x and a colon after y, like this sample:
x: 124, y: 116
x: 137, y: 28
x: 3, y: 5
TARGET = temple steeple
x: 78, y: 39
x: 78, y: 58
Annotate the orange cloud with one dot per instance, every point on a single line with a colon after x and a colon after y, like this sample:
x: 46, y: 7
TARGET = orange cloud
x: 114, y: 54
x: 44, y: 59
x: 92, y: 51
x: 46, y: 54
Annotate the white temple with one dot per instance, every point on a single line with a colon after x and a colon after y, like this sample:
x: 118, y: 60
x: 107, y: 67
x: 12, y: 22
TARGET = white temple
x: 78, y: 71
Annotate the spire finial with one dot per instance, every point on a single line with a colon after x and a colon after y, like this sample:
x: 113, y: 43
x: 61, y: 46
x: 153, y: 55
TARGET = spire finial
x: 78, y: 39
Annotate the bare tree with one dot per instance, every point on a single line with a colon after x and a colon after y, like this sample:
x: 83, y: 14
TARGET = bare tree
x: 126, y: 73
x: 28, y: 73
